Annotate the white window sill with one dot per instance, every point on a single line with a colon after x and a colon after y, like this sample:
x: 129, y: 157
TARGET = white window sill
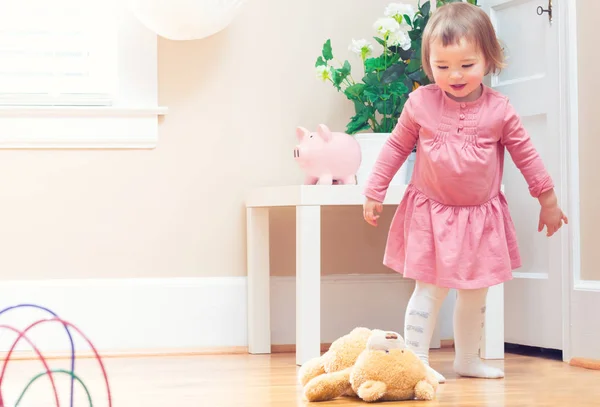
x: 79, y: 111
x: 79, y: 127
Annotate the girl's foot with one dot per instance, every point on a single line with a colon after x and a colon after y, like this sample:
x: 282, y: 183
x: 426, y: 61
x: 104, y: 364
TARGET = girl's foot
x: 476, y: 368
x: 469, y: 318
x: 439, y: 377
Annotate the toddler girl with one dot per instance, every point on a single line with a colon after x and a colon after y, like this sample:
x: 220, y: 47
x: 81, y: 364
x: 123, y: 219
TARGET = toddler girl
x: 453, y: 228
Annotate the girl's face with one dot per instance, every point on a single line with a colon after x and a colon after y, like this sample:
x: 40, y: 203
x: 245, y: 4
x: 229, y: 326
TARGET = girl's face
x: 458, y: 69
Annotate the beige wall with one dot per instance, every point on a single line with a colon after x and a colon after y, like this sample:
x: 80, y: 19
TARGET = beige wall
x: 178, y: 210
x: 589, y: 136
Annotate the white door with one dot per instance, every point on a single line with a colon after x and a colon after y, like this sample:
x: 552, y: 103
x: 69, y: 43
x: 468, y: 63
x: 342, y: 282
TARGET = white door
x: 533, y: 300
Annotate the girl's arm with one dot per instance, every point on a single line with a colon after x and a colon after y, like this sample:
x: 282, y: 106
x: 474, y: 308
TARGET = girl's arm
x: 519, y: 145
x: 394, y: 153
x: 525, y: 156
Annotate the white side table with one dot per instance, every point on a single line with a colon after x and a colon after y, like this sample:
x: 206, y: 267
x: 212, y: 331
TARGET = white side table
x: 308, y: 200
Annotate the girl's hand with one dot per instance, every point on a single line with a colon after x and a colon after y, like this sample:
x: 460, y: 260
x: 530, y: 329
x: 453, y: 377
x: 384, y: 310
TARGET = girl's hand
x: 369, y: 208
x: 551, y: 215
x: 553, y: 218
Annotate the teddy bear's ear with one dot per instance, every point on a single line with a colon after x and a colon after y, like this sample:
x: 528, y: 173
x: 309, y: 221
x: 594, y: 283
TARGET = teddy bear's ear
x: 385, y: 340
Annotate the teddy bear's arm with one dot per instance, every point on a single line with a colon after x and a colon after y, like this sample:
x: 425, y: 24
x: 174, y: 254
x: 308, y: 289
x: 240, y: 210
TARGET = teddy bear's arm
x: 372, y: 390
x: 432, y: 380
x: 328, y: 386
x: 310, y: 370
x: 424, y: 391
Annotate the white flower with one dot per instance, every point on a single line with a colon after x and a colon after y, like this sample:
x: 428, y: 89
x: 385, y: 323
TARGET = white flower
x: 386, y: 26
x: 323, y: 72
x: 399, y: 9
x: 397, y: 12
x: 400, y: 38
x: 363, y: 48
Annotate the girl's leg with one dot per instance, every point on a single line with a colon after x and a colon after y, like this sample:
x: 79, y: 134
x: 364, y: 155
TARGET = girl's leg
x: 420, y: 319
x: 469, y: 314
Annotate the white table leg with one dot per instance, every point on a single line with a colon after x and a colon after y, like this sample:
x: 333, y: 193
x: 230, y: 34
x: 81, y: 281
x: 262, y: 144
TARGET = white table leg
x: 259, y: 312
x: 492, y: 340
x: 436, y: 340
x: 308, y: 283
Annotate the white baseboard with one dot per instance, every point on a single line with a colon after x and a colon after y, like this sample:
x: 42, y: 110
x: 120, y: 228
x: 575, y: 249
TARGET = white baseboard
x: 176, y: 314
x: 131, y: 314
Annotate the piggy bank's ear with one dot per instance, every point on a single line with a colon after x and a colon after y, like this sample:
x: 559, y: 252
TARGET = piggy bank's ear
x: 324, y: 132
x: 301, y: 132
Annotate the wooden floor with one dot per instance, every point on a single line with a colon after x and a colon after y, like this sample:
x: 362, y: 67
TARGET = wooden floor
x: 270, y: 380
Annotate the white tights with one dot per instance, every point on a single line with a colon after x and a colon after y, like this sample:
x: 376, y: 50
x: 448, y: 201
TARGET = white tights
x: 469, y: 313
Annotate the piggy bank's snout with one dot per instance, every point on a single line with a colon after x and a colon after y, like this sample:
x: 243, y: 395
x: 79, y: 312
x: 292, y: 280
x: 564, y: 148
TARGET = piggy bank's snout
x: 297, y: 152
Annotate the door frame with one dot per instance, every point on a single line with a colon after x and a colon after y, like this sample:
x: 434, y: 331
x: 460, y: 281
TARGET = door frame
x: 569, y: 130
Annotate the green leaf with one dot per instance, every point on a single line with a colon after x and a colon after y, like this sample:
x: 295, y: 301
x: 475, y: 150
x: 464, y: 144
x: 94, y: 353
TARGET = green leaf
x: 371, y: 79
x: 384, y: 107
x: 393, y: 73
x: 387, y: 124
x: 338, y: 76
x: 416, y: 49
x: 381, y: 41
x: 327, y: 52
x: 355, y: 91
x: 403, y: 54
x: 375, y: 64
x: 425, y: 8
x: 414, y: 65
x: 372, y: 94
x: 354, y: 128
x: 418, y: 23
x: 407, y: 19
x: 346, y: 68
x: 359, y: 106
x: 380, y: 63
x: 320, y: 62
x: 400, y: 105
x: 360, y: 121
x: 417, y: 76
x: 398, y: 88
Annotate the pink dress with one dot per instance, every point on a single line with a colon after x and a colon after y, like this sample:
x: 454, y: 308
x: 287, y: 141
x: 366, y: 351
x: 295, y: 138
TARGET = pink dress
x: 453, y: 227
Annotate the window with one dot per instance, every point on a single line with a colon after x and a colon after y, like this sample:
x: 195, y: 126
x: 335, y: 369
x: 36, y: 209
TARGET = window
x: 83, y: 70
x: 57, y: 52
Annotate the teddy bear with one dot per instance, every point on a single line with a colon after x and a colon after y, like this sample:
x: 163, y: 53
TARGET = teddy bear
x: 384, y: 371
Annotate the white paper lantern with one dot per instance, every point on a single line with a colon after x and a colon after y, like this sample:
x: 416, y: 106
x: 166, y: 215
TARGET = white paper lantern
x: 185, y: 19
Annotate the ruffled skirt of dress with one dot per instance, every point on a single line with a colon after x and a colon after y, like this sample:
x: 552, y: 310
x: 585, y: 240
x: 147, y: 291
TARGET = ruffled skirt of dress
x: 463, y: 247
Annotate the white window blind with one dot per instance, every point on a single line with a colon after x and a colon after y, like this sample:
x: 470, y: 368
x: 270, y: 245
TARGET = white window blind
x: 58, y: 52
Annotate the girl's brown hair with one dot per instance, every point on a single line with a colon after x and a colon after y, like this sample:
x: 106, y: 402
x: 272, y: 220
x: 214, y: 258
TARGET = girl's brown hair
x: 454, y: 21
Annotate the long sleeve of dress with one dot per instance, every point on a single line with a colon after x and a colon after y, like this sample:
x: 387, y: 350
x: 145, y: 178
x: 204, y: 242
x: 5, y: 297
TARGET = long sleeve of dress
x: 393, y: 154
x: 525, y: 156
